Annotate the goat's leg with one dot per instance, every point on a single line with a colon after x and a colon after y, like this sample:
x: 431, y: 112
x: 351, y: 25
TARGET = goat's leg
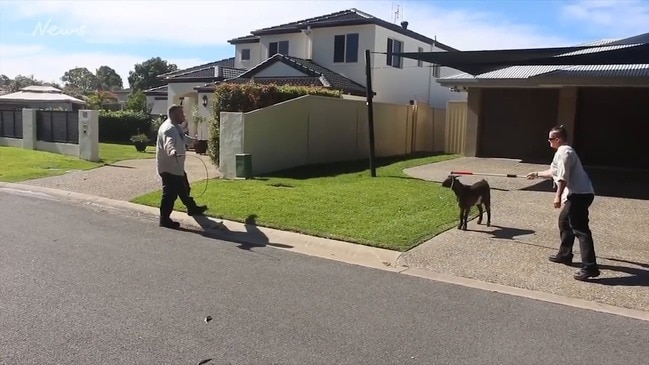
x: 488, y: 209
x: 465, y: 218
x: 480, y: 211
x: 459, y: 226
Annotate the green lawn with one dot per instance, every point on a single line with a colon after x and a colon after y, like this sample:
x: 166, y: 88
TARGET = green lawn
x: 339, y: 201
x: 19, y: 164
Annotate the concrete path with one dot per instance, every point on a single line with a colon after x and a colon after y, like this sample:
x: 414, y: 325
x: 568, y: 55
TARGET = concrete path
x: 125, y: 180
x: 524, y: 233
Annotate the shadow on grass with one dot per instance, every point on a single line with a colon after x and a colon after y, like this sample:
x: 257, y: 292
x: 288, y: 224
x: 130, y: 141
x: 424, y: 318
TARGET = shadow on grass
x: 345, y: 167
x: 247, y: 240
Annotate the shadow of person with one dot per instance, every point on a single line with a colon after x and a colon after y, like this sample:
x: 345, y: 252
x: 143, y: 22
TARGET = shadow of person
x: 506, y: 233
x: 252, y: 237
x: 638, y: 277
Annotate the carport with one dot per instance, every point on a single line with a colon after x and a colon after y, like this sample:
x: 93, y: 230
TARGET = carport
x: 599, y: 91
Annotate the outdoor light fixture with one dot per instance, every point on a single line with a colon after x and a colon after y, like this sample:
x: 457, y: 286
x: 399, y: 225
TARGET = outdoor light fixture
x: 205, y: 101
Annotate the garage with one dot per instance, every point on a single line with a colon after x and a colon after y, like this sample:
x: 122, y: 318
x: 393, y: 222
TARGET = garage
x: 612, y: 127
x: 514, y: 123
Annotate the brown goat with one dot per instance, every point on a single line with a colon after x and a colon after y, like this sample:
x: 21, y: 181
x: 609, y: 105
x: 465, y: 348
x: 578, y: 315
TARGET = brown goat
x: 478, y: 194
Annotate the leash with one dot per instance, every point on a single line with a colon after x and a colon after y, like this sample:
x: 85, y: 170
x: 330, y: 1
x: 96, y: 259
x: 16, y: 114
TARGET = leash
x: 207, y: 174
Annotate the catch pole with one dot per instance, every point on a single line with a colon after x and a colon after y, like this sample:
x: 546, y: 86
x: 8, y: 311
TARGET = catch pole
x: 486, y: 174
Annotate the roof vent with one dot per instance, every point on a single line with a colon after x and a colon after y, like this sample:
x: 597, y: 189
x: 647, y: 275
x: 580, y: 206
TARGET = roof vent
x: 404, y: 24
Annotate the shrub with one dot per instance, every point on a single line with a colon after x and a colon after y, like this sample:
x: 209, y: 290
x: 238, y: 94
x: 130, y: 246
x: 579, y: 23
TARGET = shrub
x: 251, y: 96
x: 119, y: 126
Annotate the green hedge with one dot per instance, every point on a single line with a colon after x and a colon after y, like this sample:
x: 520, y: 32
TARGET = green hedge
x: 119, y: 126
x: 249, y: 97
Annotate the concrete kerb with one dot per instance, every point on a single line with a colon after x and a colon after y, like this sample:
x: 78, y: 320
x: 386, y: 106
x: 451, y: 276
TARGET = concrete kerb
x: 346, y: 252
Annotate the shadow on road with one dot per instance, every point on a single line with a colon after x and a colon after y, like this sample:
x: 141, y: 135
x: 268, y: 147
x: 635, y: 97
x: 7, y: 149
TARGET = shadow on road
x: 247, y: 240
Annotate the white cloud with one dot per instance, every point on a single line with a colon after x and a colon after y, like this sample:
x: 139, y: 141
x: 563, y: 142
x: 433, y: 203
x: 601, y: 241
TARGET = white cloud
x: 49, y: 64
x: 620, y: 18
x: 212, y: 23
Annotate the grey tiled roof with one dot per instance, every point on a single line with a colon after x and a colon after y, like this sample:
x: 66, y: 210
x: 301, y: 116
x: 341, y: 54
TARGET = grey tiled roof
x: 228, y: 62
x: 245, y: 39
x: 293, y: 80
x: 347, y: 17
x: 160, y: 90
x: 230, y: 72
x: 312, y: 71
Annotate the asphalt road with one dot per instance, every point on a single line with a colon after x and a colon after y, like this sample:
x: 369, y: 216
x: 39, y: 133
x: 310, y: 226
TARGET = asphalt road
x: 81, y: 286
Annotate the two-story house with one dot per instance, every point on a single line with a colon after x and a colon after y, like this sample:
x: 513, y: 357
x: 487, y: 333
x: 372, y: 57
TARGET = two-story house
x: 327, y: 51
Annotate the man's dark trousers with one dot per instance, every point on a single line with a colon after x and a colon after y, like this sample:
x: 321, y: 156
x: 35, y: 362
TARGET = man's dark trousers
x: 173, y: 187
x: 573, y: 222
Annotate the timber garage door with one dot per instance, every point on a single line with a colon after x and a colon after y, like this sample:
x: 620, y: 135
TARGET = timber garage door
x: 515, y: 123
x: 612, y: 127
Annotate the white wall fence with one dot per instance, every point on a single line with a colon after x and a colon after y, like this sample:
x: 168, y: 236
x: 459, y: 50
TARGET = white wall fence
x: 64, y: 132
x: 314, y: 129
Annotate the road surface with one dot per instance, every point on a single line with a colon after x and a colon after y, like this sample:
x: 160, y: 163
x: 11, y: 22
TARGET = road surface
x: 83, y: 286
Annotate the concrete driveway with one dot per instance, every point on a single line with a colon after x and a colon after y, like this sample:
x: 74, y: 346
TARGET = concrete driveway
x: 514, y: 250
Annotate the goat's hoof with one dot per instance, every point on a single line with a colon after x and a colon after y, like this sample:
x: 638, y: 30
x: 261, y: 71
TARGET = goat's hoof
x: 479, y: 222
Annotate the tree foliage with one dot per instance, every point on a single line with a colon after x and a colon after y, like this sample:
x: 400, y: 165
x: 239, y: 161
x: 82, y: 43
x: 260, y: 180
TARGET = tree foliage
x: 21, y: 81
x: 137, y: 102
x: 145, y: 74
x: 82, y: 79
x: 108, y: 79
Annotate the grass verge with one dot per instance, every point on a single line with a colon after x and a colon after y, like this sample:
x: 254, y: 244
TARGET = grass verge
x: 20, y: 164
x: 339, y: 201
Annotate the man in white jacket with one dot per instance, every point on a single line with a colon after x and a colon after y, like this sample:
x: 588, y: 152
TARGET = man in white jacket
x: 575, y: 193
x: 170, y: 159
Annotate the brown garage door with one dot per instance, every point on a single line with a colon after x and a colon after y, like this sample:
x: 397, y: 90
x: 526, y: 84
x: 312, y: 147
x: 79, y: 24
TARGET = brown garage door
x: 612, y: 127
x: 515, y: 123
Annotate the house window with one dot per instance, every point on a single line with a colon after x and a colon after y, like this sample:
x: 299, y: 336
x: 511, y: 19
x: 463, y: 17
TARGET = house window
x: 346, y: 48
x: 420, y: 63
x: 278, y: 47
x: 437, y: 71
x: 245, y: 54
x: 394, y: 46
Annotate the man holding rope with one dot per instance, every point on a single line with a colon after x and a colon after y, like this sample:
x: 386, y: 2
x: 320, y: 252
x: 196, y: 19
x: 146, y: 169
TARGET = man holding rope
x: 575, y: 192
x: 170, y: 158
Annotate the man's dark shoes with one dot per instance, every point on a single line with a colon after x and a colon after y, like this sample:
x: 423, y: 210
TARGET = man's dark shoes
x: 567, y: 260
x: 584, y: 274
x: 169, y: 224
x: 199, y: 210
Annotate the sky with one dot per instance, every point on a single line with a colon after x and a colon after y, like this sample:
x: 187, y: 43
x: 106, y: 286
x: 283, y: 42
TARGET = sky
x: 47, y: 38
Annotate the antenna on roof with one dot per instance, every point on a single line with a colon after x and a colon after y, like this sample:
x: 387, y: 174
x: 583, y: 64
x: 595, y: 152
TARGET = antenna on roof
x: 396, y: 16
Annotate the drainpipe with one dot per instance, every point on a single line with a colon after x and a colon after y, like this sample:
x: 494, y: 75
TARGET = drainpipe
x: 430, y: 75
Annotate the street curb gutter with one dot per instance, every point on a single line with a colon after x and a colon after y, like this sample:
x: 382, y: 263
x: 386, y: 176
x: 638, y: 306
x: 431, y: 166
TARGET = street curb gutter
x: 346, y: 252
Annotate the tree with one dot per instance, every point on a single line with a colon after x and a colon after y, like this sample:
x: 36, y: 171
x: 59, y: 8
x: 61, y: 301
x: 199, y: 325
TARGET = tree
x: 145, y: 74
x: 137, y: 102
x: 4, y: 80
x: 81, y: 79
x: 108, y: 78
x: 21, y: 81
